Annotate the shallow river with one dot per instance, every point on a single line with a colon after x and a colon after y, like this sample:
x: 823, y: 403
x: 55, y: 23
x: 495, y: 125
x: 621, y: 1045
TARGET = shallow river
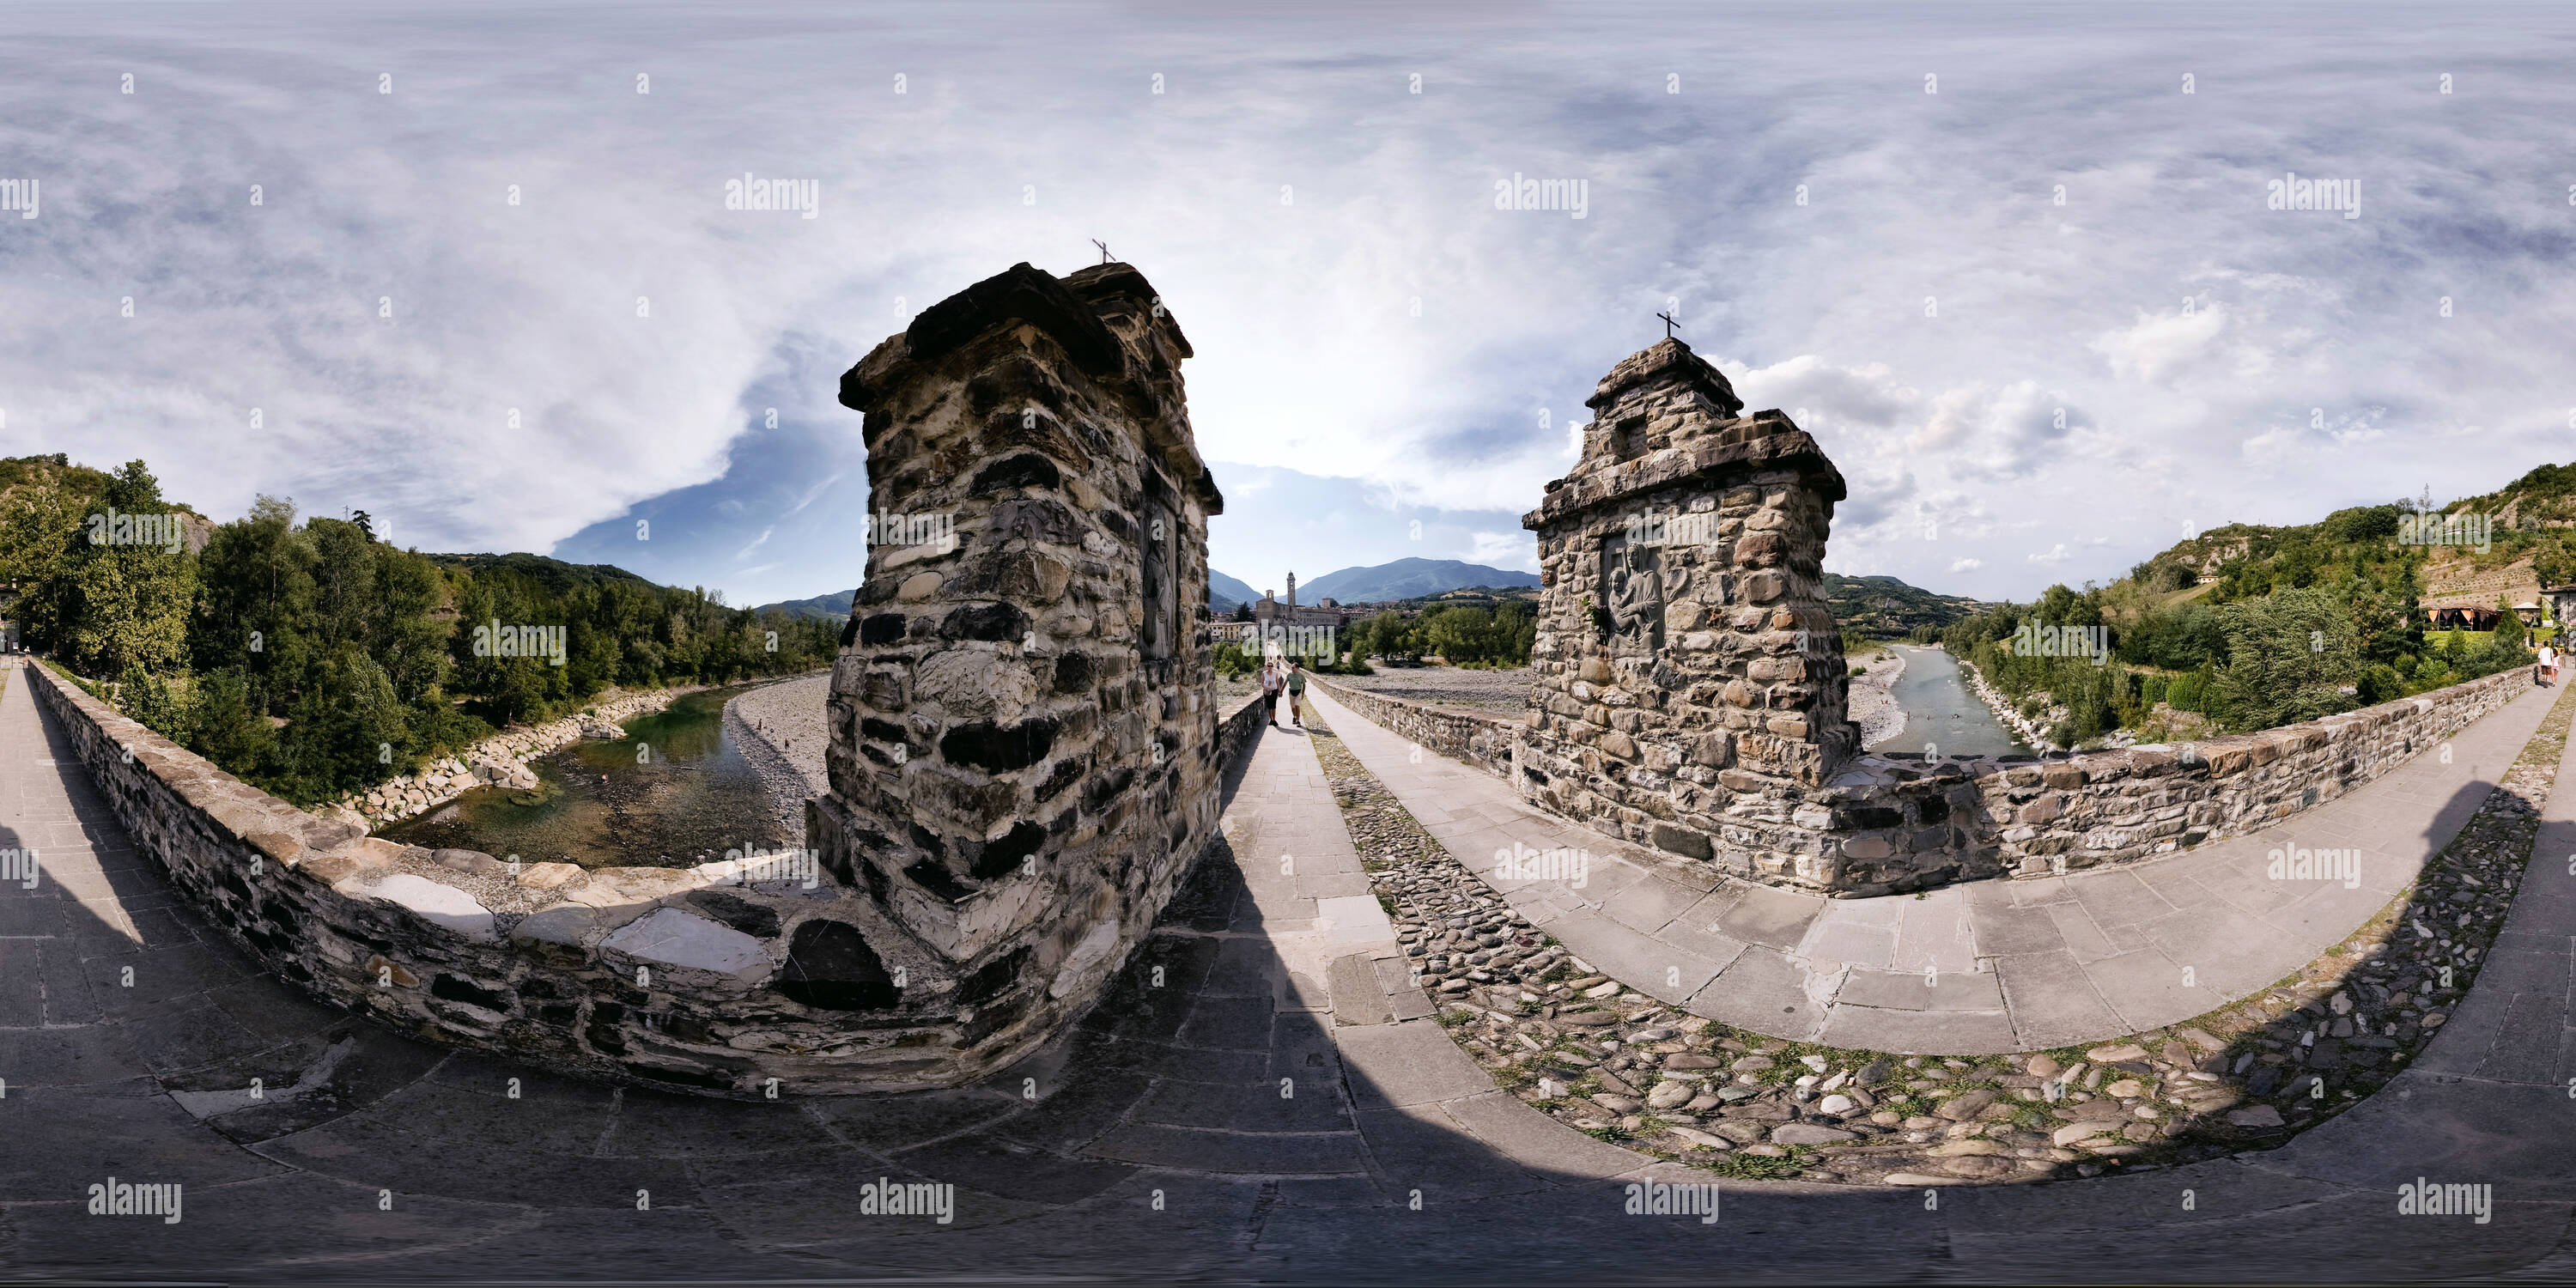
x: 1940, y: 710
x: 675, y: 791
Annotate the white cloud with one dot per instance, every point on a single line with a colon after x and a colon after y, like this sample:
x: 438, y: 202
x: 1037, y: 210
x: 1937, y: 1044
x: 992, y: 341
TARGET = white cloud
x: 2161, y: 342
x: 1514, y: 550
x: 1966, y: 565
x: 1312, y: 352
x: 2002, y: 433
x: 2054, y: 555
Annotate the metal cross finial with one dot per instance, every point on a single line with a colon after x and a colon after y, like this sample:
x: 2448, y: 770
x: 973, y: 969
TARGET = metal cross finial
x: 1669, y: 323
x: 1104, y: 249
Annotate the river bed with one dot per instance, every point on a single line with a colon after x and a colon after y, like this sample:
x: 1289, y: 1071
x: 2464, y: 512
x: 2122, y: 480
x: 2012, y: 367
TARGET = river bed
x: 675, y: 791
x: 1941, y: 710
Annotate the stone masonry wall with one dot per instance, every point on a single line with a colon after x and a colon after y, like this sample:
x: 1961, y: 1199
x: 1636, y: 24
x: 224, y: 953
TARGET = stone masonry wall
x: 1891, y: 823
x: 539, y: 965
x: 1485, y: 741
x: 1687, y: 681
x: 1024, y: 749
x: 1688, y: 692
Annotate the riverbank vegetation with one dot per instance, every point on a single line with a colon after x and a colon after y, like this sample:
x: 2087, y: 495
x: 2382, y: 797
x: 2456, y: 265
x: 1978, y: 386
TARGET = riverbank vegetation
x: 310, y: 658
x: 2290, y: 625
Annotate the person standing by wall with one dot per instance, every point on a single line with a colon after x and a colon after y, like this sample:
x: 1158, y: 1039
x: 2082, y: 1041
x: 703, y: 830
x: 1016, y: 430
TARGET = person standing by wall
x: 1270, y: 692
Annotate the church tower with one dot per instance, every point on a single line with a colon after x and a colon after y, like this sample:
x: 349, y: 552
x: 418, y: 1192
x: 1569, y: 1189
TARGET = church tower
x: 1292, y: 590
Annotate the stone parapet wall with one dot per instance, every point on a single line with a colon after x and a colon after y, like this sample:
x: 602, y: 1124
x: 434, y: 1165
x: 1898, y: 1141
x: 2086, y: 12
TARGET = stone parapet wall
x: 2034, y: 818
x: 1485, y: 741
x: 1237, y: 730
x: 714, y: 979
x: 1891, y: 823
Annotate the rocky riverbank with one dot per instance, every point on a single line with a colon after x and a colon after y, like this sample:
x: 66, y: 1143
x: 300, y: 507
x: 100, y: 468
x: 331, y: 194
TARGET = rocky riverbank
x: 502, y: 758
x: 1872, y: 696
x: 2028, y: 730
x: 781, y: 731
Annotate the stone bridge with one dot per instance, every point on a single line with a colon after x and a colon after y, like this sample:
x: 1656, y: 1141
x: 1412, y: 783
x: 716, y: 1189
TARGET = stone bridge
x: 1267, y: 1080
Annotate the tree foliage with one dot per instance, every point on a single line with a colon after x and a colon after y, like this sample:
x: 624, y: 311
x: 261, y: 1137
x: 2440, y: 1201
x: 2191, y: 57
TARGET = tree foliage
x: 312, y: 659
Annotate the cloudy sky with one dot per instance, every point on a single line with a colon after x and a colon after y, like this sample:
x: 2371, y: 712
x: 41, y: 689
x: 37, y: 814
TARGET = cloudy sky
x: 2012, y: 264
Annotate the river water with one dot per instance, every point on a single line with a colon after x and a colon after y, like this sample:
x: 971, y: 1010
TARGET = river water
x: 673, y: 792
x: 1940, y: 709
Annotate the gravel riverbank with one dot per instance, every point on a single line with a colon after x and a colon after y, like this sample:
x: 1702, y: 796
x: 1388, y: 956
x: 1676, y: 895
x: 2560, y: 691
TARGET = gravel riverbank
x: 1873, y: 704
x: 781, y: 732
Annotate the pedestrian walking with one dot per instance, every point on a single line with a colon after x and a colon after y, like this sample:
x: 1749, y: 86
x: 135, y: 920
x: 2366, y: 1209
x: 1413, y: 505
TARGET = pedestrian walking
x: 1296, y: 693
x: 2548, y: 669
x: 1270, y: 693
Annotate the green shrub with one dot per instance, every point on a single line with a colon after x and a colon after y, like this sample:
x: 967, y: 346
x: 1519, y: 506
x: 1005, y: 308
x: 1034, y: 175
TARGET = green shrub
x: 1232, y: 661
x: 2188, y: 692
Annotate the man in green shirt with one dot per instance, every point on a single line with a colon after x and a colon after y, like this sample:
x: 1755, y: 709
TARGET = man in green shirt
x: 1296, y: 693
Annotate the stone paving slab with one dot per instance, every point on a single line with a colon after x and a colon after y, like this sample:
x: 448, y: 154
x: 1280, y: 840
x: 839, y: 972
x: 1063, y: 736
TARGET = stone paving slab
x: 2116, y: 941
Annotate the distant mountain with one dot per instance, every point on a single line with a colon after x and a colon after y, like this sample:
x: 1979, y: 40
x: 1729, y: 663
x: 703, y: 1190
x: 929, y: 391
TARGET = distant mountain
x: 1225, y: 592
x: 1403, y: 579
x: 834, y: 606
x: 1884, y: 608
x: 1406, y: 579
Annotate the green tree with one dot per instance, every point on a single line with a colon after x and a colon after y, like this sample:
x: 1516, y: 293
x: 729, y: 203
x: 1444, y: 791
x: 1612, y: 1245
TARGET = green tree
x: 224, y: 724
x: 2289, y: 654
x: 126, y: 605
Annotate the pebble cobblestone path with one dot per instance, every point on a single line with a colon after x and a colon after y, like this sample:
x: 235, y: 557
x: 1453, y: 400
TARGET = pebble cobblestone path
x: 1262, y: 1096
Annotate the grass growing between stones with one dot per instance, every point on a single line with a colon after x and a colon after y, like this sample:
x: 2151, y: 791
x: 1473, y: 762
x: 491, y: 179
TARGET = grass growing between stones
x: 1625, y: 1068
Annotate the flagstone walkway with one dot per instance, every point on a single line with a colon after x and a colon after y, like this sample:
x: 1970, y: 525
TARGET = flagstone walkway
x: 1971, y: 969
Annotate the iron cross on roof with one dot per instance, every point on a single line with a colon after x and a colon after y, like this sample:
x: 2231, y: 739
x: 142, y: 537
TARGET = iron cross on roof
x: 1669, y: 323
x: 1104, y: 249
